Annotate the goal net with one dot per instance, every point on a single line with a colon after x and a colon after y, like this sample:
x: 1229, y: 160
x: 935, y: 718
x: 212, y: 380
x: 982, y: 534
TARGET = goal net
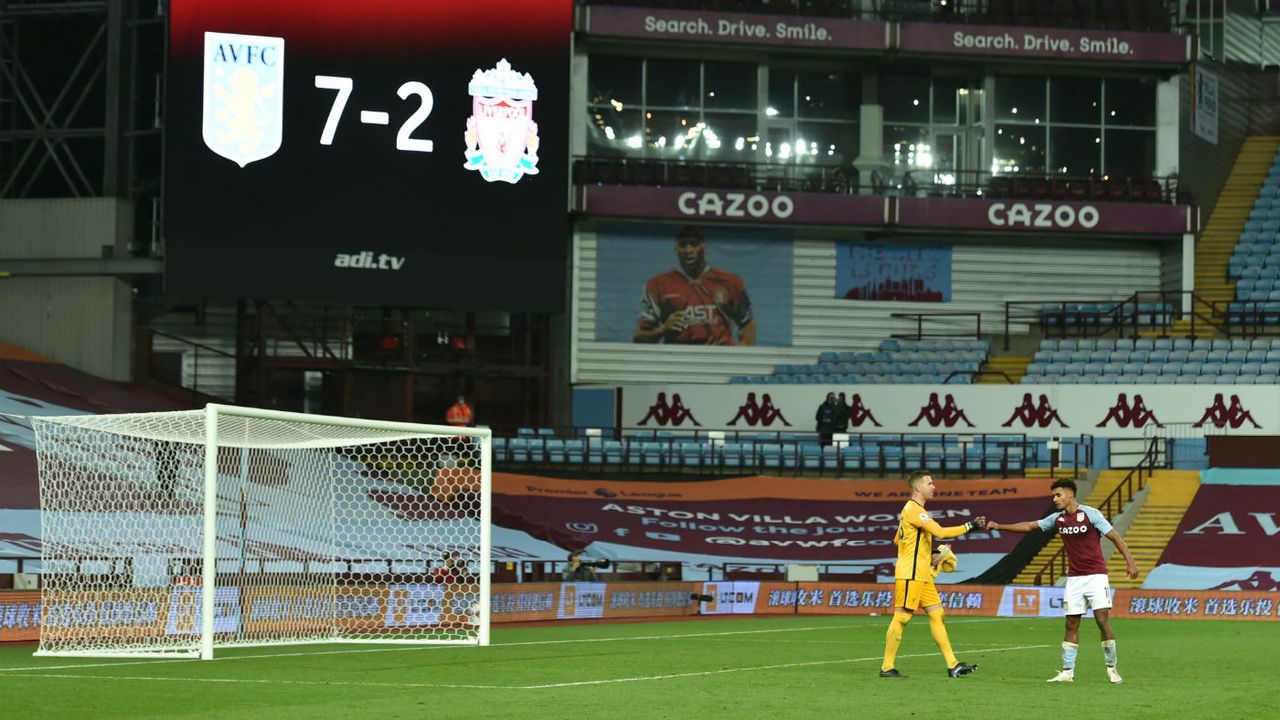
x: 177, y: 532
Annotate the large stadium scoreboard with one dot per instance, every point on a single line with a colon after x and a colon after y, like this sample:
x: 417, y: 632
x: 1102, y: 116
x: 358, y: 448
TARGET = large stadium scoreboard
x: 390, y: 152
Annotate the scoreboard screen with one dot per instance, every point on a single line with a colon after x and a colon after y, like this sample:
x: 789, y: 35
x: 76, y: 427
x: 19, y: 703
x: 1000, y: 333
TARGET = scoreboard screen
x: 383, y: 152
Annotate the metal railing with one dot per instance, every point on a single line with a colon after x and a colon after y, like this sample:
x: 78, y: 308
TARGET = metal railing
x: 1139, y: 312
x: 1057, y: 566
x: 1030, y: 186
x: 195, y: 351
x: 844, y: 179
x: 698, y: 452
x: 939, y: 318
x: 778, y: 177
x: 548, y: 570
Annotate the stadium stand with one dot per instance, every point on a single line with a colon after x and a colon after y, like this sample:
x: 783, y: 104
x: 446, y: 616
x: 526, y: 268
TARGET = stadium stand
x: 773, y: 453
x: 896, y: 362
x: 1161, y: 361
x: 1254, y: 265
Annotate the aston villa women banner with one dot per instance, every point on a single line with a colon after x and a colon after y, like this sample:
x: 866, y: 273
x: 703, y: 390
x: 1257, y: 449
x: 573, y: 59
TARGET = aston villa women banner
x: 1229, y: 537
x: 1038, y: 410
x: 754, y: 521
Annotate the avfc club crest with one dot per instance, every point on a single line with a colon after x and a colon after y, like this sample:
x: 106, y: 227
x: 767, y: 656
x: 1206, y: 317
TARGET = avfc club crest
x: 243, y: 95
x: 1080, y: 517
x: 502, y: 138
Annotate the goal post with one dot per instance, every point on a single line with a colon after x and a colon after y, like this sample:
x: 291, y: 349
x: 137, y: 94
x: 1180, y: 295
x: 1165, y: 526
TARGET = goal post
x: 178, y: 533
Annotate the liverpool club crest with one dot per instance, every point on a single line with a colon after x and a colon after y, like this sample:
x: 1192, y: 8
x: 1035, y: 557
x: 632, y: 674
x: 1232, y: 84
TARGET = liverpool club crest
x: 502, y: 138
x: 243, y: 95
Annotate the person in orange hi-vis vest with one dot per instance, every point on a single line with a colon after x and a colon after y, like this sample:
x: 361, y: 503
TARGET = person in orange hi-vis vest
x: 460, y: 414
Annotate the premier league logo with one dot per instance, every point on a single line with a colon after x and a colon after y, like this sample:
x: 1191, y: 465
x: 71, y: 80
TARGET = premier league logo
x: 502, y: 138
x: 243, y: 95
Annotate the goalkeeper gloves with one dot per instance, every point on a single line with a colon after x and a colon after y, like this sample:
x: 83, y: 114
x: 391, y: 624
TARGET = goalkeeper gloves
x: 978, y: 523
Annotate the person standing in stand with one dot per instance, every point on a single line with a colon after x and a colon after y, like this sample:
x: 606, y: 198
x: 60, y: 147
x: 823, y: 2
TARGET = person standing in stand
x: 460, y: 414
x: 825, y: 419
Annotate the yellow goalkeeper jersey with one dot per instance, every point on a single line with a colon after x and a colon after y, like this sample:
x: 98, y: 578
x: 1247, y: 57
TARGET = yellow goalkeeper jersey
x: 916, y: 531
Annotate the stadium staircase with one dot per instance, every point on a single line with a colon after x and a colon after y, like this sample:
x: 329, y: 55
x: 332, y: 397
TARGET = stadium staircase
x: 1108, y: 481
x: 1218, y: 239
x: 996, y: 369
x: 1171, y: 493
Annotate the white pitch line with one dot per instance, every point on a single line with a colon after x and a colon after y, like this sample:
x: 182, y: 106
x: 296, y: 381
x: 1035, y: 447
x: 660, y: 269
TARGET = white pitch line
x: 417, y: 648
x: 780, y: 666
x: 547, y: 686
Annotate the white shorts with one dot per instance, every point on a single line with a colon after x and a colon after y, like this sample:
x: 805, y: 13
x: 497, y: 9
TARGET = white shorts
x: 1085, y: 592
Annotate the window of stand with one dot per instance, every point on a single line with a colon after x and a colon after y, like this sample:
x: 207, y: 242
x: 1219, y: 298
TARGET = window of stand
x: 722, y: 111
x: 933, y: 126
x: 1075, y: 126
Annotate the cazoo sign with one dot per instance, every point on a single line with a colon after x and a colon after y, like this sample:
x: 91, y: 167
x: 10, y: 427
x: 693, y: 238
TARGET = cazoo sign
x: 1042, y: 215
x: 871, y: 211
x: 736, y: 205
x: 1023, y: 216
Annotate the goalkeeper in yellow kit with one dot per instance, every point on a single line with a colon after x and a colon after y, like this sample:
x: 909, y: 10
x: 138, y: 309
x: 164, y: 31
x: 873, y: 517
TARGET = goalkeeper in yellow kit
x: 913, y: 586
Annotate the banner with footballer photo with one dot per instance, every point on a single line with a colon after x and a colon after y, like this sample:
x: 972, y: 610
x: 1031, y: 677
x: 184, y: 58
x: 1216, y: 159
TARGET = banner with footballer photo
x: 692, y: 285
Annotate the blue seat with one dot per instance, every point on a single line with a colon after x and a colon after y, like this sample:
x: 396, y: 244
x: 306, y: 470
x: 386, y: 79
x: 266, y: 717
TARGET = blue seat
x: 1211, y: 368
x: 811, y: 456
x: 518, y: 449
x: 614, y: 452
x: 692, y: 454
x: 553, y: 450
x: 733, y: 455
x: 769, y: 455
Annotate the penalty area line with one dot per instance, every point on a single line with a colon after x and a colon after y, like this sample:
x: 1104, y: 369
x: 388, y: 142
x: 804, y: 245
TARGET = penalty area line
x: 544, y: 686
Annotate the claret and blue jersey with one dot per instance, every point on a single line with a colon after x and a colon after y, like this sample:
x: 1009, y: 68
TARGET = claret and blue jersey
x: 1081, y: 531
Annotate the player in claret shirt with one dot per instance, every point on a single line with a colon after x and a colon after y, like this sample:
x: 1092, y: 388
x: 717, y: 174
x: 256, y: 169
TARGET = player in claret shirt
x: 695, y: 304
x: 1081, y: 529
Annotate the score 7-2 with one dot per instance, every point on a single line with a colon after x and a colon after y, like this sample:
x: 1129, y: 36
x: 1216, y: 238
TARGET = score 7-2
x: 344, y: 85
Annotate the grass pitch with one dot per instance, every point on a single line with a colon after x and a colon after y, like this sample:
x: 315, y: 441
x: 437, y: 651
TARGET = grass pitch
x: 748, y: 668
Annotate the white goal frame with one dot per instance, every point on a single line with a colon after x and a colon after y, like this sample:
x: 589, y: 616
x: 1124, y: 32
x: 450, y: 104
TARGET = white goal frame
x: 479, y: 628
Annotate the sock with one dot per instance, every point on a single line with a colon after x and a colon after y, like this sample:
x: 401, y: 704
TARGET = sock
x: 1109, y: 652
x: 940, y: 637
x: 1069, y: 655
x: 893, y: 638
